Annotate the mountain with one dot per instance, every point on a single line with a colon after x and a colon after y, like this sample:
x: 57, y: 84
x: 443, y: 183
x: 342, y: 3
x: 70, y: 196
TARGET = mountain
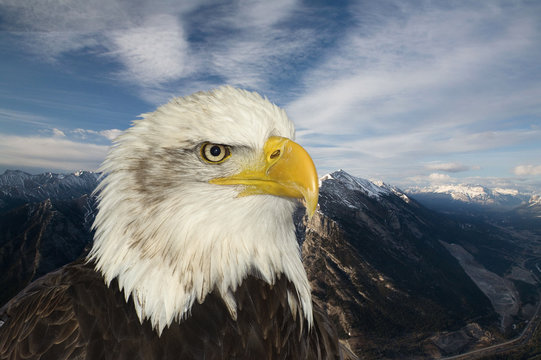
x: 399, y: 280
x: 375, y: 258
x: 531, y: 209
x: 460, y: 198
x: 45, y: 223
x: 37, y: 238
x: 18, y: 187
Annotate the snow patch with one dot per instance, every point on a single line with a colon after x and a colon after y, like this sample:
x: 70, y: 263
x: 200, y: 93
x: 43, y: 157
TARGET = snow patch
x: 15, y: 184
x: 355, y: 183
x: 476, y: 194
x: 372, y: 188
x: 534, y: 200
x: 501, y: 191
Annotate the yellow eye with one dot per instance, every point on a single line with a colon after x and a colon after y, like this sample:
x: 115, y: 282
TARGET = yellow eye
x: 215, y: 153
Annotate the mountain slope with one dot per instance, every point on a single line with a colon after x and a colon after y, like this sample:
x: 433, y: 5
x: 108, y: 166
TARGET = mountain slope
x: 378, y: 264
x: 37, y: 238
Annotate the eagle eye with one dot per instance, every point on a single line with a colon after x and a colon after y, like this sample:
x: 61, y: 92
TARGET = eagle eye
x: 215, y: 153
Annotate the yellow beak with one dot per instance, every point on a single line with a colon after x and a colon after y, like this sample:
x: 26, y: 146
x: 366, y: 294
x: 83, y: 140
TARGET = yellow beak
x: 286, y: 170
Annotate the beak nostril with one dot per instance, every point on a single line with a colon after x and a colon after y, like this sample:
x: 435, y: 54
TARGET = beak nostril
x: 275, y: 154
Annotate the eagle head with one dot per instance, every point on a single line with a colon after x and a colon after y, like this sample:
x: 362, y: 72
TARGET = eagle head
x: 198, y: 195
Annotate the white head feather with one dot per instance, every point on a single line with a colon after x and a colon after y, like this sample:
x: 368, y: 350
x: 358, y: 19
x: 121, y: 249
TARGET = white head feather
x: 170, y: 237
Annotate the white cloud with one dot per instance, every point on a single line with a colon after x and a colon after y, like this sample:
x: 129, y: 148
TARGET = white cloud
x: 430, y: 63
x: 9, y: 115
x: 146, y: 38
x: 254, y: 43
x: 243, y: 43
x: 153, y: 53
x: 60, y: 16
x: 109, y: 134
x: 58, y: 133
x: 262, y: 14
x: 439, y: 178
x: 49, y: 152
x: 527, y: 170
x: 53, y: 28
x: 429, y: 142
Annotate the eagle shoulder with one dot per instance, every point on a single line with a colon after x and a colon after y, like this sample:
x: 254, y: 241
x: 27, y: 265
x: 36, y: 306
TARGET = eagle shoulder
x: 73, y: 314
x: 40, y: 322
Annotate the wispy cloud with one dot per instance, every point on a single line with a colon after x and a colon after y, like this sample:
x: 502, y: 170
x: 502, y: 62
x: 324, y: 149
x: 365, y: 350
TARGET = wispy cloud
x: 146, y: 39
x: 420, y: 84
x: 439, y: 178
x: 247, y: 43
x: 448, y: 167
x: 527, y: 170
x: 8, y: 115
x: 153, y: 53
x: 49, y: 152
x: 51, y: 29
x: 109, y: 134
x: 58, y: 133
x: 254, y: 44
x: 428, y: 63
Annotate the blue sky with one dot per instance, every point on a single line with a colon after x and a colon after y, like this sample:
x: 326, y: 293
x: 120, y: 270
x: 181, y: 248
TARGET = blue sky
x: 408, y: 92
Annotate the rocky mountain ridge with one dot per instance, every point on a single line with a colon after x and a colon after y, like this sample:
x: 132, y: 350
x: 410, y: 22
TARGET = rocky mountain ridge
x: 18, y: 187
x: 37, y: 238
x: 375, y: 258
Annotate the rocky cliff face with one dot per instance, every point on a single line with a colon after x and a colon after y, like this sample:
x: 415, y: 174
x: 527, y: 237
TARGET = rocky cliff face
x: 380, y: 269
x: 37, y: 238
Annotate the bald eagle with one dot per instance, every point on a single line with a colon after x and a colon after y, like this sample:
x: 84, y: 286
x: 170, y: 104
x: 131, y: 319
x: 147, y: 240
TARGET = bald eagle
x: 194, y: 253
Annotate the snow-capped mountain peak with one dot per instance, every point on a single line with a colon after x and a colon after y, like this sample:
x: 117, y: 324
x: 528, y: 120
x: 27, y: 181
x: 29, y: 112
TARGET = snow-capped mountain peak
x: 18, y: 186
x: 470, y: 195
x: 354, y: 183
x: 339, y: 183
x: 466, y: 193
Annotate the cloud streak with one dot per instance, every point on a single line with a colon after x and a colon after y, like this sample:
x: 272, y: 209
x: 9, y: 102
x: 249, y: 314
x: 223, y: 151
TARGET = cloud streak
x: 56, y: 153
x: 527, y: 170
x: 448, y: 167
x: 425, y: 85
x: 401, y: 70
x: 8, y: 115
x: 109, y: 134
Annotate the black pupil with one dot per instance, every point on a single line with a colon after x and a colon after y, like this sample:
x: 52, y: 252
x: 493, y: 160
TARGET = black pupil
x: 215, y: 150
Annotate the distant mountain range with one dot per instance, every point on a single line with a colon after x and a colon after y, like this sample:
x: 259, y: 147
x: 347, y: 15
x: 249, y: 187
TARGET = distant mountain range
x: 18, y: 187
x: 452, y: 198
x: 398, y: 279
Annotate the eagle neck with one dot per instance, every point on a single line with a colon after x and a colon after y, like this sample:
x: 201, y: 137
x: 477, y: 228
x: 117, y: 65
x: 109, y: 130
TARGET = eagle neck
x: 167, y: 265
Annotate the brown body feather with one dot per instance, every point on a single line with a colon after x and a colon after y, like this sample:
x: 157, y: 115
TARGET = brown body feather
x: 72, y: 314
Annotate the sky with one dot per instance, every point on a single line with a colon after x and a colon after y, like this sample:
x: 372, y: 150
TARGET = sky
x: 412, y: 93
